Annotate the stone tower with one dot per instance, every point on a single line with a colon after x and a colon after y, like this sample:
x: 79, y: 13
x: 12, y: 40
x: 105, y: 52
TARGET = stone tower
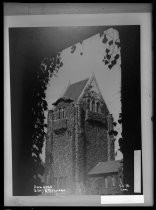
x: 78, y: 137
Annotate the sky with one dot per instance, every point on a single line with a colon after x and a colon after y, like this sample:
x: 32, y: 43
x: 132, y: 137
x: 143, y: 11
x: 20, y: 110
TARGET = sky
x: 86, y: 59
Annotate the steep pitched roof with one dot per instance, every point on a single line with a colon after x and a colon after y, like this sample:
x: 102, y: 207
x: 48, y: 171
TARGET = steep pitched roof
x: 105, y: 167
x: 74, y: 92
x: 75, y: 89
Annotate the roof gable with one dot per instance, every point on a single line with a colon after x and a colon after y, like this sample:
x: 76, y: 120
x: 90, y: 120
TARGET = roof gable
x: 94, y: 87
x: 105, y: 167
x: 74, y: 90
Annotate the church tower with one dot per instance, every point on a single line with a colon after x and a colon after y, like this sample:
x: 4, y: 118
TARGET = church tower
x: 78, y: 138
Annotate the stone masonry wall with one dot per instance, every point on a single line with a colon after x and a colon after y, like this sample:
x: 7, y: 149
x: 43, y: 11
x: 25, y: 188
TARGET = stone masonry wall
x: 76, y: 149
x: 97, y: 144
x: 95, y: 139
x: 97, y: 185
x: 63, y: 147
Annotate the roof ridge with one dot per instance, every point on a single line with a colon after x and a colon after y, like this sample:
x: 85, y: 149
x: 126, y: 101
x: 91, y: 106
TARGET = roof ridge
x: 79, y: 81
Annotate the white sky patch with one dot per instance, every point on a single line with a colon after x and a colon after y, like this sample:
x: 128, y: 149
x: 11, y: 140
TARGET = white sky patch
x: 87, y: 58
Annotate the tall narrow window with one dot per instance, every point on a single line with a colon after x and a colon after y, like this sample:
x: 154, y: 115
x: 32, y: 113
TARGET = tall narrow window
x: 63, y: 112
x: 98, y: 107
x: 93, y: 106
x: 59, y: 114
x: 56, y: 114
x: 88, y: 104
x: 113, y: 181
x: 106, y: 183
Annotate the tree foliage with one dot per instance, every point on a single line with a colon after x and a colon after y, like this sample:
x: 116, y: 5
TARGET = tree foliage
x: 112, y: 50
x: 73, y: 48
x: 48, y: 68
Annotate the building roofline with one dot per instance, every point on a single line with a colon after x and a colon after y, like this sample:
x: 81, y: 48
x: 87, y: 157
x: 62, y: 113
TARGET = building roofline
x: 92, y: 76
x: 62, y: 99
x: 65, y: 89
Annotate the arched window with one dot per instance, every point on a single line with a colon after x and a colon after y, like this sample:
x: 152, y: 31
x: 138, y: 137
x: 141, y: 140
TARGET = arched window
x: 88, y: 104
x: 63, y: 116
x: 98, y: 107
x: 93, y: 106
x: 59, y: 114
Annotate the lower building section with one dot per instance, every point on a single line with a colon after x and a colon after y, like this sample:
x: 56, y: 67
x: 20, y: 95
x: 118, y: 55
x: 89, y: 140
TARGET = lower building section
x: 103, y: 185
x: 103, y: 179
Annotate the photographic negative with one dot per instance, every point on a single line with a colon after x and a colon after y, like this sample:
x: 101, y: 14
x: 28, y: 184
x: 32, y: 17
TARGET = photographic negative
x: 76, y: 110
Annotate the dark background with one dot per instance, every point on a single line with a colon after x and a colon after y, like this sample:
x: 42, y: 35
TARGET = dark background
x: 28, y: 46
